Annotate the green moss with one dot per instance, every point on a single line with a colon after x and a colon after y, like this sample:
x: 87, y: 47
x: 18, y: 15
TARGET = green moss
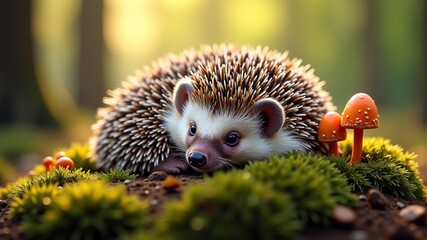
x: 385, y: 167
x: 143, y: 234
x: 89, y: 210
x: 58, y: 176
x: 6, y: 192
x: 33, y: 202
x: 117, y: 175
x: 314, y: 185
x: 230, y: 206
x: 80, y: 153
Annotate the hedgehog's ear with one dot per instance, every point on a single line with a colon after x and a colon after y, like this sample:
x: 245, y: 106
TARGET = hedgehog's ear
x: 181, y: 94
x: 271, y: 114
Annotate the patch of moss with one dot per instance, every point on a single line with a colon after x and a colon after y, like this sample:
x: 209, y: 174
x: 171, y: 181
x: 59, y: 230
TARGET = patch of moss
x: 58, y: 176
x: 230, y: 206
x: 312, y: 182
x: 143, y: 234
x: 6, y: 192
x: 80, y: 153
x: 385, y: 167
x: 33, y: 202
x: 89, y: 210
x: 117, y: 175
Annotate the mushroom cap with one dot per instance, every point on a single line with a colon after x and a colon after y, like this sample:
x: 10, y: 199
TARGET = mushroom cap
x: 330, y: 129
x: 360, y: 112
x: 65, y: 162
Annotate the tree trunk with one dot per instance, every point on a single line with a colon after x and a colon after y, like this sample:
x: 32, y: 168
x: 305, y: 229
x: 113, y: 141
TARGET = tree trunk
x: 91, y: 82
x: 21, y: 101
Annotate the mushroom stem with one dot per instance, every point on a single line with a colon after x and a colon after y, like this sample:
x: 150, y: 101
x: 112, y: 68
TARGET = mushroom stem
x: 356, y: 154
x: 333, y: 149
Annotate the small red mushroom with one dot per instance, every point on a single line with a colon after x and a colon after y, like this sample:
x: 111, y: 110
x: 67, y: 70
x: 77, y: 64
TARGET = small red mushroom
x: 330, y: 131
x: 359, y: 113
x: 48, y: 163
x: 64, y: 162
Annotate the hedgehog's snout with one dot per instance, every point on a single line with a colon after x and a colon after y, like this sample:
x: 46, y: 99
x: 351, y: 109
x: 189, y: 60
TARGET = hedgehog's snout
x: 196, y: 159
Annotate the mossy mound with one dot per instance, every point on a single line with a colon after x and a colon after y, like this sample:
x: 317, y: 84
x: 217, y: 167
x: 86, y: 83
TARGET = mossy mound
x: 33, y: 202
x: 117, y: 175
x: 312, y: 182
x: 384, y: 166
x: 6, y: 191
x: 58, y: 176
x: 230, y: 206
x: 89, y: 210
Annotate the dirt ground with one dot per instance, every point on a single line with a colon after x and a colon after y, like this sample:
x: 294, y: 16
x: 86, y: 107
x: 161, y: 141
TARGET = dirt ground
x: 370, y: 223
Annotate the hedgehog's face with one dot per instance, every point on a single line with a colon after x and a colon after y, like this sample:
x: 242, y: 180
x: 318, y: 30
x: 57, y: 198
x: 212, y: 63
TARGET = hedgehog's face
x: 213, y: 141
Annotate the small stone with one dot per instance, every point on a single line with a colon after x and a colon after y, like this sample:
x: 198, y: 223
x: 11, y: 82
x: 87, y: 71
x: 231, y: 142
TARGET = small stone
x: 157, y: 176
x: 3, y: 204
x: 413, y: 213
x: 377, y: 199
x: 400, y: 205
x: 359, y: 235
x: 5, y: 231
x: 154, y: 202
x: 127, y: 181
x: 171, y: 183
x: 343, y: 216
x: 362, y: 198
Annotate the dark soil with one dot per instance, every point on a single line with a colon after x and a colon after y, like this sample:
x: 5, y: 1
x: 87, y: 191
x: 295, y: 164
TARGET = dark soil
x: 370, y: 223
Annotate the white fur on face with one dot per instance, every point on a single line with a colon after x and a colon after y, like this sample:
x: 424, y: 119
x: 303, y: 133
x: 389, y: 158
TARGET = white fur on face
x: 252, y: 145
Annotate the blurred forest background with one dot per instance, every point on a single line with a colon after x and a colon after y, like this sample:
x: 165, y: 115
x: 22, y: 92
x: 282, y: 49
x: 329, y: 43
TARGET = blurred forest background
x: 58, y: 58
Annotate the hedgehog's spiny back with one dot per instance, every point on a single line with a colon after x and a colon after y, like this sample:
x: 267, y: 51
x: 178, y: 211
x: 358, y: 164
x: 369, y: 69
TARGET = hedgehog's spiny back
x: 234, y: 83
x: 130, y: 133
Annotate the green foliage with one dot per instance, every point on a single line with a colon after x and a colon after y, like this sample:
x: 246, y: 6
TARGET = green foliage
x: 143, y: 234
x: 6, y: 192
x: 117, y: 175
x: 89, y: 210
x: 314, y: 185
x: 59, y: 176
x: 385, y: 167
x: 34, y: 201
x: 230, y: 206
x: 79, y: 152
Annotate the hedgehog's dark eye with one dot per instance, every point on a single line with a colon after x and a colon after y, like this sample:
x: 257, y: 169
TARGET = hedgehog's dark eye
x: 193, y: 128
x: 232, y: 139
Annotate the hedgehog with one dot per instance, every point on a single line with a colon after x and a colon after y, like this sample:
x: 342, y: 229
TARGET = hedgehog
x: 217, y: 107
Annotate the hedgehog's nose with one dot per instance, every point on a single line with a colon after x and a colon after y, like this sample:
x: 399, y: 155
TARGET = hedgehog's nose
x: 196, y: 159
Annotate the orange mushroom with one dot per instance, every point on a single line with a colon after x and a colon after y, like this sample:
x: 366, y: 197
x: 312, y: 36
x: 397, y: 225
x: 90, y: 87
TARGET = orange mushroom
x: 48, y: 163
x: 64, y: 162
x: 330, y: 131
x: 359, y: 113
